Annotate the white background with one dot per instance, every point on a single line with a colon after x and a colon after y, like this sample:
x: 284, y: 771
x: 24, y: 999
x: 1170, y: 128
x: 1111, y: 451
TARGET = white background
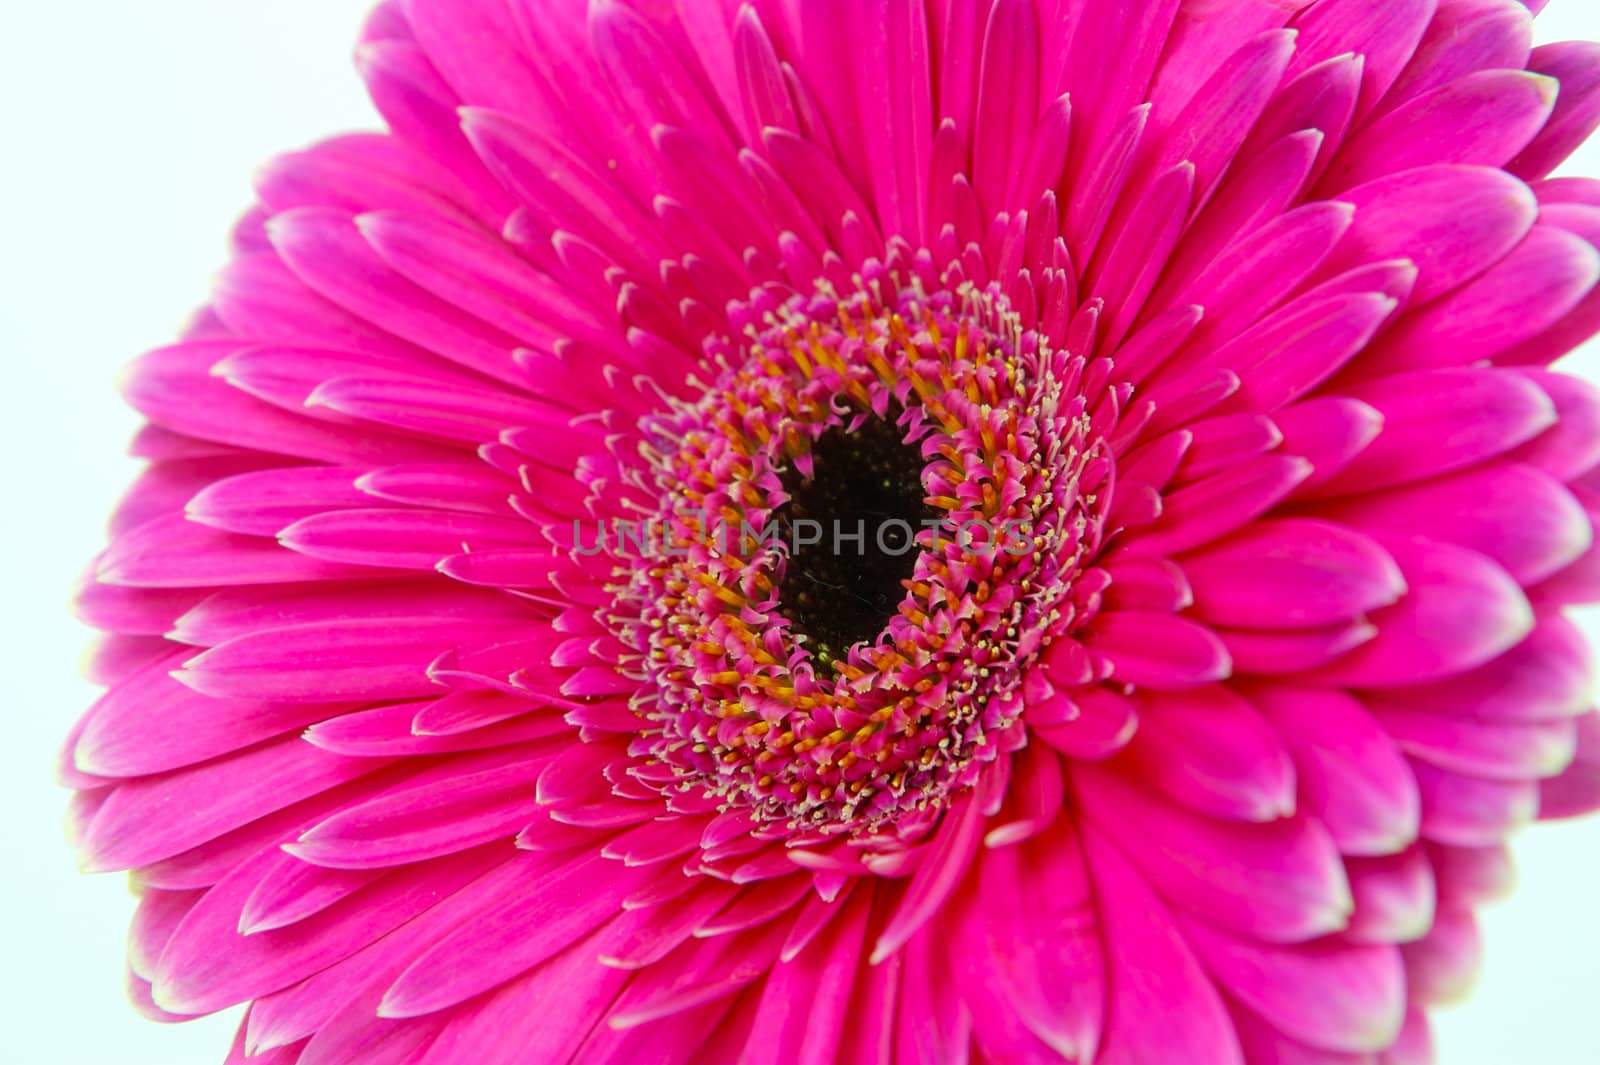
x: 129, y: 135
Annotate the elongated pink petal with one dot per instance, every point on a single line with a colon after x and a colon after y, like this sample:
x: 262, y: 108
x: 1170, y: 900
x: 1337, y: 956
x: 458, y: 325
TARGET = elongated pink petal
x: 375, y: 659
x: 1352, y: 776
x: 134, y: 825
x: 1219, y: 870
x: 209, y: 964
x: 1454, y: 222
x: 1160, y: 651
x: 510, y: 938
x: 1212, y: 752
x: 1577, y: 110
x: 1576, y: 791
x: 468, y: 801
x: 1525, y: 521
x: 121, y: 740
x: 1467, y: 417
x: 1483, y: 118
x: 1292, y: 574
x: 1149, y: 963
x: 1339, y: 998
x: 1460, y: 611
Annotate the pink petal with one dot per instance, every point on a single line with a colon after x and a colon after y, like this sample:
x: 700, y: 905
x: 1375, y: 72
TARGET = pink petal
x: 1152, y: 972
x: 1278, y: 882
x: 469, y: 800
x: 151, y: 724
x: 1515, y: 752
x: 1442, y: 967
x: 1352, y: 777
x: 1577, y: 790
x: 356, y: 659
x: 1384, y: 33
x: 1460, y: 612
x: 1341, y: 998
x: 291, y: 891
x: 261, y: 504
x: 1159, y: 651
x: 393, y: 538
x: 209, y: 965
x: 1530, y: 291
x: 1212, y: 752
x: 1439, y: 421
x: 1525, y: 521
x: 511, y: 936
x: 1577, y: 111
x: 1484, y: 118
x: 1396, y: 897
x: 1036, y: 904
x: 1469, y: 811
x: 135, y: 825
x: 1453, y: 221
x: 1208, y: 509
x: 1292, y: 573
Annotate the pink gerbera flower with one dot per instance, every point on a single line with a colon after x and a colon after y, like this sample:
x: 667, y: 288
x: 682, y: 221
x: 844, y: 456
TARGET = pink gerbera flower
x: 914, y: 531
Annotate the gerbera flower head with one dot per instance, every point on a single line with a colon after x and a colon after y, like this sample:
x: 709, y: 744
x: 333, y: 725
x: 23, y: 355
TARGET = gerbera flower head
x: 915, y: 531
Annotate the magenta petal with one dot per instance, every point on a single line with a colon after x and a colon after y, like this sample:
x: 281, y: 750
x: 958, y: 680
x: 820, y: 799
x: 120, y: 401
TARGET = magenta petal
x: 401, y: 539
x: 1384, y: 33
x: 294, y: 890
x: 1442, y: 966
x: 134, y: 826
x: 1545, y: 677
x: 1295, y: 574
x: 372, y: 659
x: 121, y: 739
x: 209, y: 965
x: 1484, y: 118
x: 1160, y: 651
x: 1461, y: 611
x: 1291, y: 651
x: 1453, y: 221
x: 1057, y: 990
x: 1577, y: 790
x: 1525, y: 521
x: 1352, y: 776
x: 468, y: 801
x: 1470, y: 811
x: 261, y: 504
x: 1152, y: 970
x: 1439, y: 421
x: 510, y: 937
x: 1335, y: 997
x: 1572, y: 446
x: 1101, y: 724
x: 1577, y: 111
x: 1278, y: 882
x: 1496, y: 751
x: 175, y: 552
x: 1396, y: 897
x: 548, y: 1012
x: 1212, y: 752
x: 942, y: 867
x: 1520, y: 298
x: 1328, y: 432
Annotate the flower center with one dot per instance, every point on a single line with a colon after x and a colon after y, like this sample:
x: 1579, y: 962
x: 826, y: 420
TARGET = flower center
x: 874, y: 521
x: 851, y: 528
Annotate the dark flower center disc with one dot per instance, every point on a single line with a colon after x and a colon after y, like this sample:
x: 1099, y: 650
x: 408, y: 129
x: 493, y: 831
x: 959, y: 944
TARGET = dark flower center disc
x: 851, y: 529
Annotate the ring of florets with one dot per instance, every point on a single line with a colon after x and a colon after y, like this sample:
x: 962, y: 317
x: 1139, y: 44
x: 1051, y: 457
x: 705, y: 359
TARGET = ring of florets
x: 738, y: 701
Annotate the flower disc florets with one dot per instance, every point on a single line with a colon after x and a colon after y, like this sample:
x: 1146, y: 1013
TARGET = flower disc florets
x: 1006, y: 439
